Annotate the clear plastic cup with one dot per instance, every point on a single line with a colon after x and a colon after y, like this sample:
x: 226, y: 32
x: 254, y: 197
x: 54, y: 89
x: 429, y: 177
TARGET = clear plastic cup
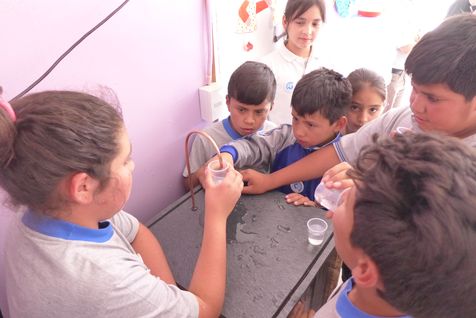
x: 316, y: 230
x: 328, y: 198
x: 218, y: 174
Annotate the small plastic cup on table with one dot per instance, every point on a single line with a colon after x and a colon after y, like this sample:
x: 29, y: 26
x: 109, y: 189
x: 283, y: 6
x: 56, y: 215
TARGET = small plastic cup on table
x: 328, y: 198
x: 316, y: 230
x: 218, y: 173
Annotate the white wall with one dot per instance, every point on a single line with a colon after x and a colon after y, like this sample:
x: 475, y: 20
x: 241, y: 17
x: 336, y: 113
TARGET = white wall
x: 347, y: 43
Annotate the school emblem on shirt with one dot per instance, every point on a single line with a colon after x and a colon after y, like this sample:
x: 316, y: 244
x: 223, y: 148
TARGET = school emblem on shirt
x: 297, y: 187
x: 289, y: 87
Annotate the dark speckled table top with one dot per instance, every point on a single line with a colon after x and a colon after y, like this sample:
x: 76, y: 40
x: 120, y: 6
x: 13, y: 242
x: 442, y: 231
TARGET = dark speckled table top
x: 269, y: 261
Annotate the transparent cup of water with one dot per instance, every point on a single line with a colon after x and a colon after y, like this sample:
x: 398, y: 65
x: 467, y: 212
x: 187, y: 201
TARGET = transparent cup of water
x: 316, y: 230
x: 327, y: 198
x: 218, y: 173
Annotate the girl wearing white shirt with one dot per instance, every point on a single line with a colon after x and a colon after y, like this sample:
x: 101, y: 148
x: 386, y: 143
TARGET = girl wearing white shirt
x: 296, y: 56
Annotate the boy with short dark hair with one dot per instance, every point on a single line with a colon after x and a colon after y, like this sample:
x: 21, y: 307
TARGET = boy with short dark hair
x: 407, y: 229
x: 319, y: 104
x: 251, y: 92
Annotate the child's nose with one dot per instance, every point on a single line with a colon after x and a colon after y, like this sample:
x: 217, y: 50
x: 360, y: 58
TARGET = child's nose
x: 364, y: 117
x: 309, y: 29
x: 298, y: 132
x: 249, y: 118
x: 417, y: 102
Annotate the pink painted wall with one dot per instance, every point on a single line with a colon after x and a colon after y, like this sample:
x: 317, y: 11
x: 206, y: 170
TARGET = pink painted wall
x: 151, y: 53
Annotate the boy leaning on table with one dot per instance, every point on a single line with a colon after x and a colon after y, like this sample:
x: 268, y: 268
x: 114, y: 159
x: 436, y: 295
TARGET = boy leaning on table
x: 319, y: 104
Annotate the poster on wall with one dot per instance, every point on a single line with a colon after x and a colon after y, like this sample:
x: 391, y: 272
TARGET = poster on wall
x: 243, y: 30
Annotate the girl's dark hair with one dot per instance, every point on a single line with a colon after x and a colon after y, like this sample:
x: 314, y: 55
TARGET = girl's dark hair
x: 363, y: 77
x: 56, y: 134
x: 295, y: 8
x: 252, y: 83
x: 447, y: 55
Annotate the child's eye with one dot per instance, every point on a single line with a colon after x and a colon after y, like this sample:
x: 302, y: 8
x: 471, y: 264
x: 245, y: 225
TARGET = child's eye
x: 354, y: 108
x: 242, y: 110
x: 433, y: 99
x: 316, y: 24
x: 373, y: 109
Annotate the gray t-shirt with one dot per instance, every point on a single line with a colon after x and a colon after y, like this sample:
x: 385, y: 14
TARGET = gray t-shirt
x: 222, y: 133
x: 58, y: 269
x: 349, y: 146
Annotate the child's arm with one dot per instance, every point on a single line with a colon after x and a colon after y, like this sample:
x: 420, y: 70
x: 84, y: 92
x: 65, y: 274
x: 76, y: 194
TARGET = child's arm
x: 310, y: 167
x: 259, y: 150
x: 208, y: 280
x: 315, y: 164
x: 152, y: 254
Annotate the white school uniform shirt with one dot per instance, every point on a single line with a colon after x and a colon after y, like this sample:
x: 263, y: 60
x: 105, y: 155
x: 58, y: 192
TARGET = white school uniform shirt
x: 288, y: 68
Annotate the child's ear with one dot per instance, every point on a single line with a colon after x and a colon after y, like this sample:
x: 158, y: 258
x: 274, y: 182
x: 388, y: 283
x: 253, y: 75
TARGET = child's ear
x: 366, y: 273
x: 285, y: 23
x: 82, y: 188
x: 227, y: 101
x: 340, y: 124
x: 473, y: 103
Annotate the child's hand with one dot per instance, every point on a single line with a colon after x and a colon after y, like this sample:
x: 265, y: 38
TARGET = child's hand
x: 299, y: 311
x: 222, y: 197
x: 337, y: 178
x: 298, y: 199
x: 257, y: 182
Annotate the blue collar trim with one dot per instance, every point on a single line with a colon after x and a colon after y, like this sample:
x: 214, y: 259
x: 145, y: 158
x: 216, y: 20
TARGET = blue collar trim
x: 229, y: 129
x: 326, y: 144
x: 66, y: 230
x: 345, y: 308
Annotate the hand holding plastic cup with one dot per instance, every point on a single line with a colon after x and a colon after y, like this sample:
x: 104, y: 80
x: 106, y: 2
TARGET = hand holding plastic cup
x: 328, y: 198
x: 218, y: 173
x: 316, y: 229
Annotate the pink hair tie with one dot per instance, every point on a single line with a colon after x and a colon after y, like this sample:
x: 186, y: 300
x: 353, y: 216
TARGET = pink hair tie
x: 8, y: 108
